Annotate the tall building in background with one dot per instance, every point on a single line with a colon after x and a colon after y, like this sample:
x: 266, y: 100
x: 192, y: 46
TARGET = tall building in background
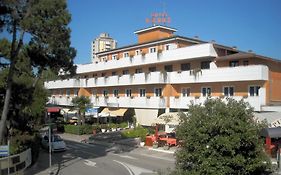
x: 103, y: 43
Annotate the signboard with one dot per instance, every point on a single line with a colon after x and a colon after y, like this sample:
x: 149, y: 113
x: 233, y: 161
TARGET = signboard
x: 4, y: 150
x: 159, y: 18
x: 92, y: 111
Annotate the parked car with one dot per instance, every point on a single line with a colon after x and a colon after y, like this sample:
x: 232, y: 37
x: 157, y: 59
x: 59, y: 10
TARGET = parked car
x: 57, y: 143
x: 73, y: 121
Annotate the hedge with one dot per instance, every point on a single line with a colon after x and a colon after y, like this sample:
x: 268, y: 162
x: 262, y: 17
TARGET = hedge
x: 79, y: 129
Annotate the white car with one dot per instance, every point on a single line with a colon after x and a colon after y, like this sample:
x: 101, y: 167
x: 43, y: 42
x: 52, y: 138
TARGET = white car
x: 57, y: 144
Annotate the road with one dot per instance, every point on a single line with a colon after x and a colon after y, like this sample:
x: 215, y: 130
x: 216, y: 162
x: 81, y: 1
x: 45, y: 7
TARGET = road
x: 82, y: 158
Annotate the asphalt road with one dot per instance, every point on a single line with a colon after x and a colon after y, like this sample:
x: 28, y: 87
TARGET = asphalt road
x: 84, y: 159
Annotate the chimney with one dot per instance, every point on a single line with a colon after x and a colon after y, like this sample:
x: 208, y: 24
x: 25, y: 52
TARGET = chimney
x: 196, y: 37
x: 234, y: 47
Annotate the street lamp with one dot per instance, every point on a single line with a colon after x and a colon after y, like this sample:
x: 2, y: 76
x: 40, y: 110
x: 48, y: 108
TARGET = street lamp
x: 50, y: 145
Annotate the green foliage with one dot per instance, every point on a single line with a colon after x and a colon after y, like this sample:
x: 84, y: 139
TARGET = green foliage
x: 22, y: 141
x: 122, y: 125
x: 134, y: 133
x: 220, y: 138
x: 81, y: 102
x: 79, y: 129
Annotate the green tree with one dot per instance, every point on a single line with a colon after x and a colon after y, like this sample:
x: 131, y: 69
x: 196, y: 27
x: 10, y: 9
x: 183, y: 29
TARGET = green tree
x: 39, y: 33
x: 81, y: 103
x: 220, y: 138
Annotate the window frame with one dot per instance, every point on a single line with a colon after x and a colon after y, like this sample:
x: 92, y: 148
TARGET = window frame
x: 140, y: 94
x: 207, y: 95
x: 157, y: 94
x: 228, y: 90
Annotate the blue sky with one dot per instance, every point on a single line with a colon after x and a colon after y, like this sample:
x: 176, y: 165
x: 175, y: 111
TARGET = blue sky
x: 247, y: 24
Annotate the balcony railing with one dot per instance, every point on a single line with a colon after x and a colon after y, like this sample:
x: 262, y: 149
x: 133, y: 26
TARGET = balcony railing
x: 242, y: 73
x: 130, y: 102
x: 190, y: 52
x: 184, y: 102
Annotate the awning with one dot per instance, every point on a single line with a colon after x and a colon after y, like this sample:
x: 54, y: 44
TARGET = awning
x: 272, y: 118
x: 53, y: 109
x: 271, y: 132
x: 113, y: 112
x: 172, y: 118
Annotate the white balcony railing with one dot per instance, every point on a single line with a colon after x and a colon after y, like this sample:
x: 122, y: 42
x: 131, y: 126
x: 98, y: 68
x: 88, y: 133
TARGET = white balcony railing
x: 68, y: 83
x: 130, y: 102
x: 183, y: 102
x: 190, y: 52
x: 60, y: 100
x: 242, y: 73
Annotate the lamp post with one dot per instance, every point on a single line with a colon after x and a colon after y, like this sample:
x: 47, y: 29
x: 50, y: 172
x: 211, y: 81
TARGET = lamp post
x: 50, y: 145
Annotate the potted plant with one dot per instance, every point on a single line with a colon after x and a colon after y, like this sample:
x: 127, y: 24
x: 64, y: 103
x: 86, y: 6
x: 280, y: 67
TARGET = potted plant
x: 177, y: 96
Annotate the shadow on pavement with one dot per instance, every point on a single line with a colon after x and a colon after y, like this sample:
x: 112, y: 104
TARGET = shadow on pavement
x: 98, y: 146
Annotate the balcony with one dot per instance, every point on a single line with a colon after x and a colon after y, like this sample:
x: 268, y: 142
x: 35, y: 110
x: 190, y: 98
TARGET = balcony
x: 190, y: 52
x: 183, y: 102
x: 130, y: 102
x: 68, y: 83
x: 241, y: 73
x: 60, y: 100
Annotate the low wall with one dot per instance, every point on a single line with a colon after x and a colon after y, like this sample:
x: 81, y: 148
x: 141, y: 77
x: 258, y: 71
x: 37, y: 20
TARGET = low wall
x: 18, y: 163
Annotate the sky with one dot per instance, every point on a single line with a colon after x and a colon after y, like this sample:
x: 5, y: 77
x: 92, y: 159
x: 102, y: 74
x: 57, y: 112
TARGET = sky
x: 248, y: 24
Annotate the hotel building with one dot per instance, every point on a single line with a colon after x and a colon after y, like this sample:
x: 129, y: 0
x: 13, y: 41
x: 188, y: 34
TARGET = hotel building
x: 165, y: 73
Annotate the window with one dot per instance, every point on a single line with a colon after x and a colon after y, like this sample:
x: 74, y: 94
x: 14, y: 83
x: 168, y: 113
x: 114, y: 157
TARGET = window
x: 94, y: 92
x: 60, y: 92
x: 205, y: 64
x: 105, y: 93
x: 138, y: 52
x: 142, y: 92
x: 167, y: 47
x: 246, y: 63
x: 113, y: 73
x: 152, y: 69
x: 115, y: 57
x: 139, y: 70
x: 75, y: 92
x: 95, y: 75
x: 125, y: 72
x: 254, y: 90
x: 152, y: 50
x: 128, y: 92
x: 206, y: 91
x: 67, y: 92
x: 185, y: 66
x: 168, y: 68
x: 185, y: 92
x: 233, y: 63
x: 103, y: 74
x: 116, y: 92
x: 158, y: 92
x: 126, y: 54
x: 228, y: 91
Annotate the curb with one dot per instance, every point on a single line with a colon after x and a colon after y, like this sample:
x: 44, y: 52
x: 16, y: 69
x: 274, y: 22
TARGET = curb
x: 160, y: 150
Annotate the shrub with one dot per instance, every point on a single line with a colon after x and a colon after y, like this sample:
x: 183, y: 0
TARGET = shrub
x: 79, y: 129
x: 134, y: 133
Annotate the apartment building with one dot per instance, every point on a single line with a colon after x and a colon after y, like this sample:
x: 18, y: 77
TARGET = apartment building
x: 102, y: 43
x: 164, y: 72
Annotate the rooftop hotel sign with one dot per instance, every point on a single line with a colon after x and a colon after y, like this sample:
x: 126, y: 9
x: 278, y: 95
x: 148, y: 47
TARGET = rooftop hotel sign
x: 158, y: 18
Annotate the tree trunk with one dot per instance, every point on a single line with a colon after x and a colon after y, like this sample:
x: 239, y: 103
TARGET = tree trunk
x: 6, y: 102
x: 83, y: 118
